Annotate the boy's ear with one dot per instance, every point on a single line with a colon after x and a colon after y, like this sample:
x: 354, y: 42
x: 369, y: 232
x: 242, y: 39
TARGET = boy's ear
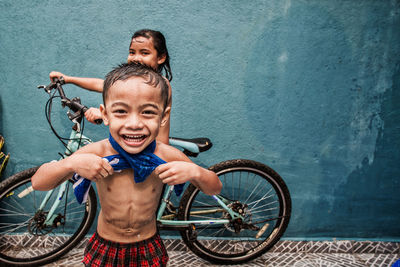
x: 165, y: 117
x: 104, y: 114
x: 161, y: 59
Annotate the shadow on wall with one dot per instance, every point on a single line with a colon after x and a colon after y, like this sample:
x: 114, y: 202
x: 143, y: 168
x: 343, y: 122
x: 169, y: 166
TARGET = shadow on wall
x: 315, y: 103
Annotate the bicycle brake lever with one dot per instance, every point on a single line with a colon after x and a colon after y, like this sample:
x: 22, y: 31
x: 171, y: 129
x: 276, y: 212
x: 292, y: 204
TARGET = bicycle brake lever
x: 46, y: 88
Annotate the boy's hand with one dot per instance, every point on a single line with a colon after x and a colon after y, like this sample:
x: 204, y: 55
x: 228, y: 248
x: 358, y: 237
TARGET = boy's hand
x: 93, y: 114
x: 56, y: 74
x: 90, y: 166
x: 177, y: 172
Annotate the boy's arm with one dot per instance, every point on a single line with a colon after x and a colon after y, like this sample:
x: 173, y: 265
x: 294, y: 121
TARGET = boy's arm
x: 84, y: 162
x: 182, y: 170
x: 92, y: 84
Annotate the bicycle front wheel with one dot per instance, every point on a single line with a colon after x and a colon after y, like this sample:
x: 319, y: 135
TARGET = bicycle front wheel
x: 253, y: 190
x: 25, y: 238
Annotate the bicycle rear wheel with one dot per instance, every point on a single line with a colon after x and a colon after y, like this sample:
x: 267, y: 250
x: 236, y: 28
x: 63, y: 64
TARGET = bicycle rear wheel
x: 254, y: 190
x: 24, y: 239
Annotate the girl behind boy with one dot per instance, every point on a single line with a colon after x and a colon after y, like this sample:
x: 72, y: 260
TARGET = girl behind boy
x: 147, y: 47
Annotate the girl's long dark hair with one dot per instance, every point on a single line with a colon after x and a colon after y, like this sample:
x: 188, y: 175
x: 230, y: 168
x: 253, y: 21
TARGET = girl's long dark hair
x: 161, y: 47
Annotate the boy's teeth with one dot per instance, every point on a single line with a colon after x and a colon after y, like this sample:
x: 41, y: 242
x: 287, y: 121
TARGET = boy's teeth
x: 136, y: 137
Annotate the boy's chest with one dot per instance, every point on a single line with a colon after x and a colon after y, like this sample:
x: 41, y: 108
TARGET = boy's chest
x: 122, y: 187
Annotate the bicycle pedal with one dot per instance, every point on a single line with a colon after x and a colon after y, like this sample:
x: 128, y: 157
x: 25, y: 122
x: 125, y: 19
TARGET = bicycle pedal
x: 193, y: 235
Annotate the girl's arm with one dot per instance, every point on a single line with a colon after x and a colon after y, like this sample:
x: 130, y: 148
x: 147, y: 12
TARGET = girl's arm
x: 92, y: 84
x: 163, y: 134
x: 93, y: 114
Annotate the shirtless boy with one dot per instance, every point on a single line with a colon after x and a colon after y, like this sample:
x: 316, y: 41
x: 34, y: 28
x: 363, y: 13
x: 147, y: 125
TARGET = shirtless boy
x: 134, y: 107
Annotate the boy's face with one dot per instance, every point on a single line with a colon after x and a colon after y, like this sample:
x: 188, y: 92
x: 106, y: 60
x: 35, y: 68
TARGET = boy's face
x: 142, y: 50
x: 134, y: 113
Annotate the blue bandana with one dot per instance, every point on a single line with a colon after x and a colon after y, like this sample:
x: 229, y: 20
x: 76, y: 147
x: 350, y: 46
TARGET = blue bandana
x: 143, y: 164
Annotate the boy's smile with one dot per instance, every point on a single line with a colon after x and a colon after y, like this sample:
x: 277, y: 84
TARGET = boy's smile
x: 133, y: 111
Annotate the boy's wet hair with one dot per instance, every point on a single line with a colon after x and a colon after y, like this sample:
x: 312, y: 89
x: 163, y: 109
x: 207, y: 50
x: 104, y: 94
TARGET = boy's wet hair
x: 161, y: 47
x: 126, y: 71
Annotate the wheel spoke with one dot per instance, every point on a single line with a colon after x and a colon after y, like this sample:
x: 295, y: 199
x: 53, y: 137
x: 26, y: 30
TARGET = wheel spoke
x: 15, y: 227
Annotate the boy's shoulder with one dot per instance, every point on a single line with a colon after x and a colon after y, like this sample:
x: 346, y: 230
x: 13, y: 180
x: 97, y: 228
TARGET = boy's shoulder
x: 169, y: 153
x: 100, y: 148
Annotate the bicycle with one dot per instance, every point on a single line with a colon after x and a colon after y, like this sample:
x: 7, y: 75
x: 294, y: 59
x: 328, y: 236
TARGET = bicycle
x: 245, y: 220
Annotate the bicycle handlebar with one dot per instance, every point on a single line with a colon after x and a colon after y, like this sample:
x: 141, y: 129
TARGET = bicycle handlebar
x: 74, y: 104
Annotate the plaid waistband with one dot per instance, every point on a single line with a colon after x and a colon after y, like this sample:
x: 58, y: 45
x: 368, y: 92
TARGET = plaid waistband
x: 125, y: 245
x: 148, y: 252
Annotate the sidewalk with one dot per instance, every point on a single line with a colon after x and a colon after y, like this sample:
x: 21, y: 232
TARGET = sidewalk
x: 285, y: 253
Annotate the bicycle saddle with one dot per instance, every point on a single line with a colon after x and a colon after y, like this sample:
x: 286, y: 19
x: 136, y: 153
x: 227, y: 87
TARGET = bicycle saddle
x: 191, y: 147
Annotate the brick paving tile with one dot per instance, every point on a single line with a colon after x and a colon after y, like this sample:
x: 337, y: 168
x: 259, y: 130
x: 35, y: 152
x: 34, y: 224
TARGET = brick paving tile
x: 285, y: 253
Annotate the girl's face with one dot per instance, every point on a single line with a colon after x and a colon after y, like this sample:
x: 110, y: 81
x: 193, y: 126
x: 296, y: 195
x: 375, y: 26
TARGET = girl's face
x: 142, y: 50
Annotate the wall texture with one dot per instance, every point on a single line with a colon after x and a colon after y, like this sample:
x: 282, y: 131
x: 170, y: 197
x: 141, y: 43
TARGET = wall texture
x: 309, y: 87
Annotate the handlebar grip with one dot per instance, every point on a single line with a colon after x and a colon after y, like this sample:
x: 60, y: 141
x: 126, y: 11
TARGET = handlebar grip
x: 59, y: 80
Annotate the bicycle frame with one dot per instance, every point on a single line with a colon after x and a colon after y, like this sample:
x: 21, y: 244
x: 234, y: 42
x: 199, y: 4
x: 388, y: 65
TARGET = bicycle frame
x: 166, y: 220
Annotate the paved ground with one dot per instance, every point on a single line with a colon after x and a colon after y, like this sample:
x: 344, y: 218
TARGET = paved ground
x: 285, y: 253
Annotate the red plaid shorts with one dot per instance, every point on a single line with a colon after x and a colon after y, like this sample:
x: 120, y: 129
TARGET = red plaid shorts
x: 105, y: 253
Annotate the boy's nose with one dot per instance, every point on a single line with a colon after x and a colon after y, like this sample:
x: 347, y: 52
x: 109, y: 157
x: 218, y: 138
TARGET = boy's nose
x: 134, y: 122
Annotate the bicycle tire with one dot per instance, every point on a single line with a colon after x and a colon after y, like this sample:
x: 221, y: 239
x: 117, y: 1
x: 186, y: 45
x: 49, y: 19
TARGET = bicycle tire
x: 22, y: 244
x: 264, y: 200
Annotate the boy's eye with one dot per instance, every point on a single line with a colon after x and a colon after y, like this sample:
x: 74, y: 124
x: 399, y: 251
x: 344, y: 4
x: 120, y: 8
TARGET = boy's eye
x: 119, y: 111
x: 149, y: 112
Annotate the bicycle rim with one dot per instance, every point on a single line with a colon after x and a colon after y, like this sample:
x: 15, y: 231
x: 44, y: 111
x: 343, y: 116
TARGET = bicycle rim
x: 254, y: 190
x: 23, y: 238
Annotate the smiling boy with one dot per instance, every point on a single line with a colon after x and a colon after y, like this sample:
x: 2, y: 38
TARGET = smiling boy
x: 134, y: 107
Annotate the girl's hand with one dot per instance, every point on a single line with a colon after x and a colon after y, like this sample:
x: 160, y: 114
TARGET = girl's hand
x: 93, y: 114
x: 177, y: 172
x: 90, y: 166
x: 56, y: 74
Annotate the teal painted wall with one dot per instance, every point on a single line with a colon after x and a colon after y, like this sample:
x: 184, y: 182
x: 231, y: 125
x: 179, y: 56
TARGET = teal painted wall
x: 309, y: 87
